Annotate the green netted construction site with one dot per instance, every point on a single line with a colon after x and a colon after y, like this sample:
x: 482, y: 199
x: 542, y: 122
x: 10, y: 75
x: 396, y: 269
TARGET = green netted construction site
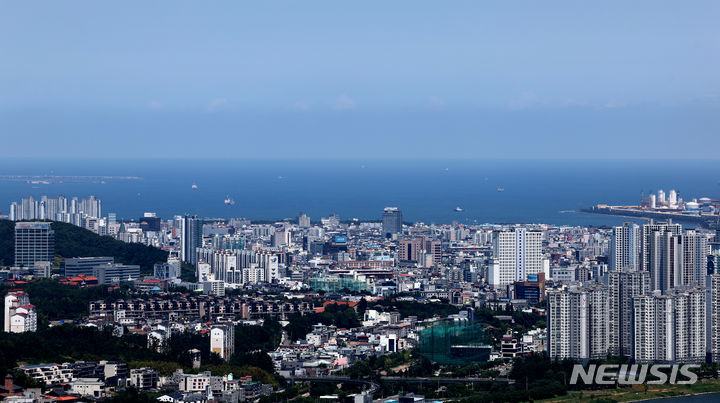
x: 454, y: 343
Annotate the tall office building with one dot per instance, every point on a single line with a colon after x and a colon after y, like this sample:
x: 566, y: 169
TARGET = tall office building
x: 625, y: 247
x: 712, y: 307
x: 409, y: 249
x: 670, y: 328
x: 191, y: 232
x: 34, y: 242
x: 578, y: 323
x: 518, y: 253
x: 622, y: 287
x: 391, y: 221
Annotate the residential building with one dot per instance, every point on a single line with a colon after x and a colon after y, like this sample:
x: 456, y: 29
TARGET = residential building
x: 712, y: 307
x: 670, y: 328
x: 578, y: 325
x: 622, y: 287
x: 144, y: 378
x: 696, y: 249
x: 222, y: 340
x: 518, y: 253
x: 19, y: 315
x: 625, y: 247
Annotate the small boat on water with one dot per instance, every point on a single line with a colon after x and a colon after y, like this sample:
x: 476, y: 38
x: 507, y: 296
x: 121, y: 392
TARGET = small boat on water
x: 194, y: 187
x: 458, y: 209
x: 500, y: 189
x: 229, y: 201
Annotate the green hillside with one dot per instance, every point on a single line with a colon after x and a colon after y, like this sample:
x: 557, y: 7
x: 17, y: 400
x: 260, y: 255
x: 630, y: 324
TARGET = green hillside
x: 73, y: 241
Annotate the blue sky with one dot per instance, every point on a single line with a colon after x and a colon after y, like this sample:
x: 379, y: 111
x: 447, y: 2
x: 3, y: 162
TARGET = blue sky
x: 406, y: 79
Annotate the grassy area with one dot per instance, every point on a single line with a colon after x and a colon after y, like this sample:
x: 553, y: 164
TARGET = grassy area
x: 629, y: 394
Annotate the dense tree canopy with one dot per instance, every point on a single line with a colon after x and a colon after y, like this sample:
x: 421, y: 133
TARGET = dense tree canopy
x: 74, y: 241
x: 336, y: 315
x: 55, y: 301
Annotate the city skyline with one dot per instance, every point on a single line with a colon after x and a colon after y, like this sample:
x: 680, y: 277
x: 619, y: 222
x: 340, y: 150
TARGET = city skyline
x: 378, y: 202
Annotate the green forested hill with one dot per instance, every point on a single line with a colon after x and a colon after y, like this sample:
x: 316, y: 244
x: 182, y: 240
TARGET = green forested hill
x: 73, y: 241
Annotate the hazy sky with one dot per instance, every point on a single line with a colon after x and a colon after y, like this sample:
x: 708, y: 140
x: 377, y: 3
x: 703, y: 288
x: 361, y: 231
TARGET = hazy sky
x: 368, y: 79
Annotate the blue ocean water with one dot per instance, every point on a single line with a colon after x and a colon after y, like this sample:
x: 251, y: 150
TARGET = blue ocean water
x: 535, y: 191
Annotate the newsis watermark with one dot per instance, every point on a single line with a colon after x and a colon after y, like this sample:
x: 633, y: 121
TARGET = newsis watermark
x: 635, y: 374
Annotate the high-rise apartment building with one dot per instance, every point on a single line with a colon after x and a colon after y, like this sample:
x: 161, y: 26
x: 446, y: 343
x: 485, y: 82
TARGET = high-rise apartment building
x: 391, y: 221
x: 56, y: 209
x: 303, y: 221
x: 712, y: 307
x: 622, y: 287
x: 517, y: 253
x: 222, y: 340
x: 671, y: 327
x: 578, y: 323
x: 34, y: 242
x: 664, y: 253
x: 625, y: 247
x: 191, y: 233
x: 646, y: 238
x: 696, y: 249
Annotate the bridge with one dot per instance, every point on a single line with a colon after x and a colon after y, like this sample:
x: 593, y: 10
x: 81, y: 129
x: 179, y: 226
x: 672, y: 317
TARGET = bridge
x: 506, y: 381
x: 373, y: 387
x: 370, y: 386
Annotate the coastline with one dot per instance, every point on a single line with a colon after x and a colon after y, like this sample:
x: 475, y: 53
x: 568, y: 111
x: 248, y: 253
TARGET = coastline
x: 707, y: 388
x: 689, y: 395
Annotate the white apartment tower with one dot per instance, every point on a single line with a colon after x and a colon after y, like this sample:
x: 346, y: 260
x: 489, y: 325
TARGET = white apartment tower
x: 222, y: 340
x: 517, y: 253
x: 696, y: 249
x: 578, y: 323
x: 670, y: 328
x: 625, y: 247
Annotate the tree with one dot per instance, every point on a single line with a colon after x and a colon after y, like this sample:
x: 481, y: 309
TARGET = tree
x: 362, y: 306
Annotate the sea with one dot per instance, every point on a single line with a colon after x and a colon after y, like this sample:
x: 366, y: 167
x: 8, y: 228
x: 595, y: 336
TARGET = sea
x: 494, y: 191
